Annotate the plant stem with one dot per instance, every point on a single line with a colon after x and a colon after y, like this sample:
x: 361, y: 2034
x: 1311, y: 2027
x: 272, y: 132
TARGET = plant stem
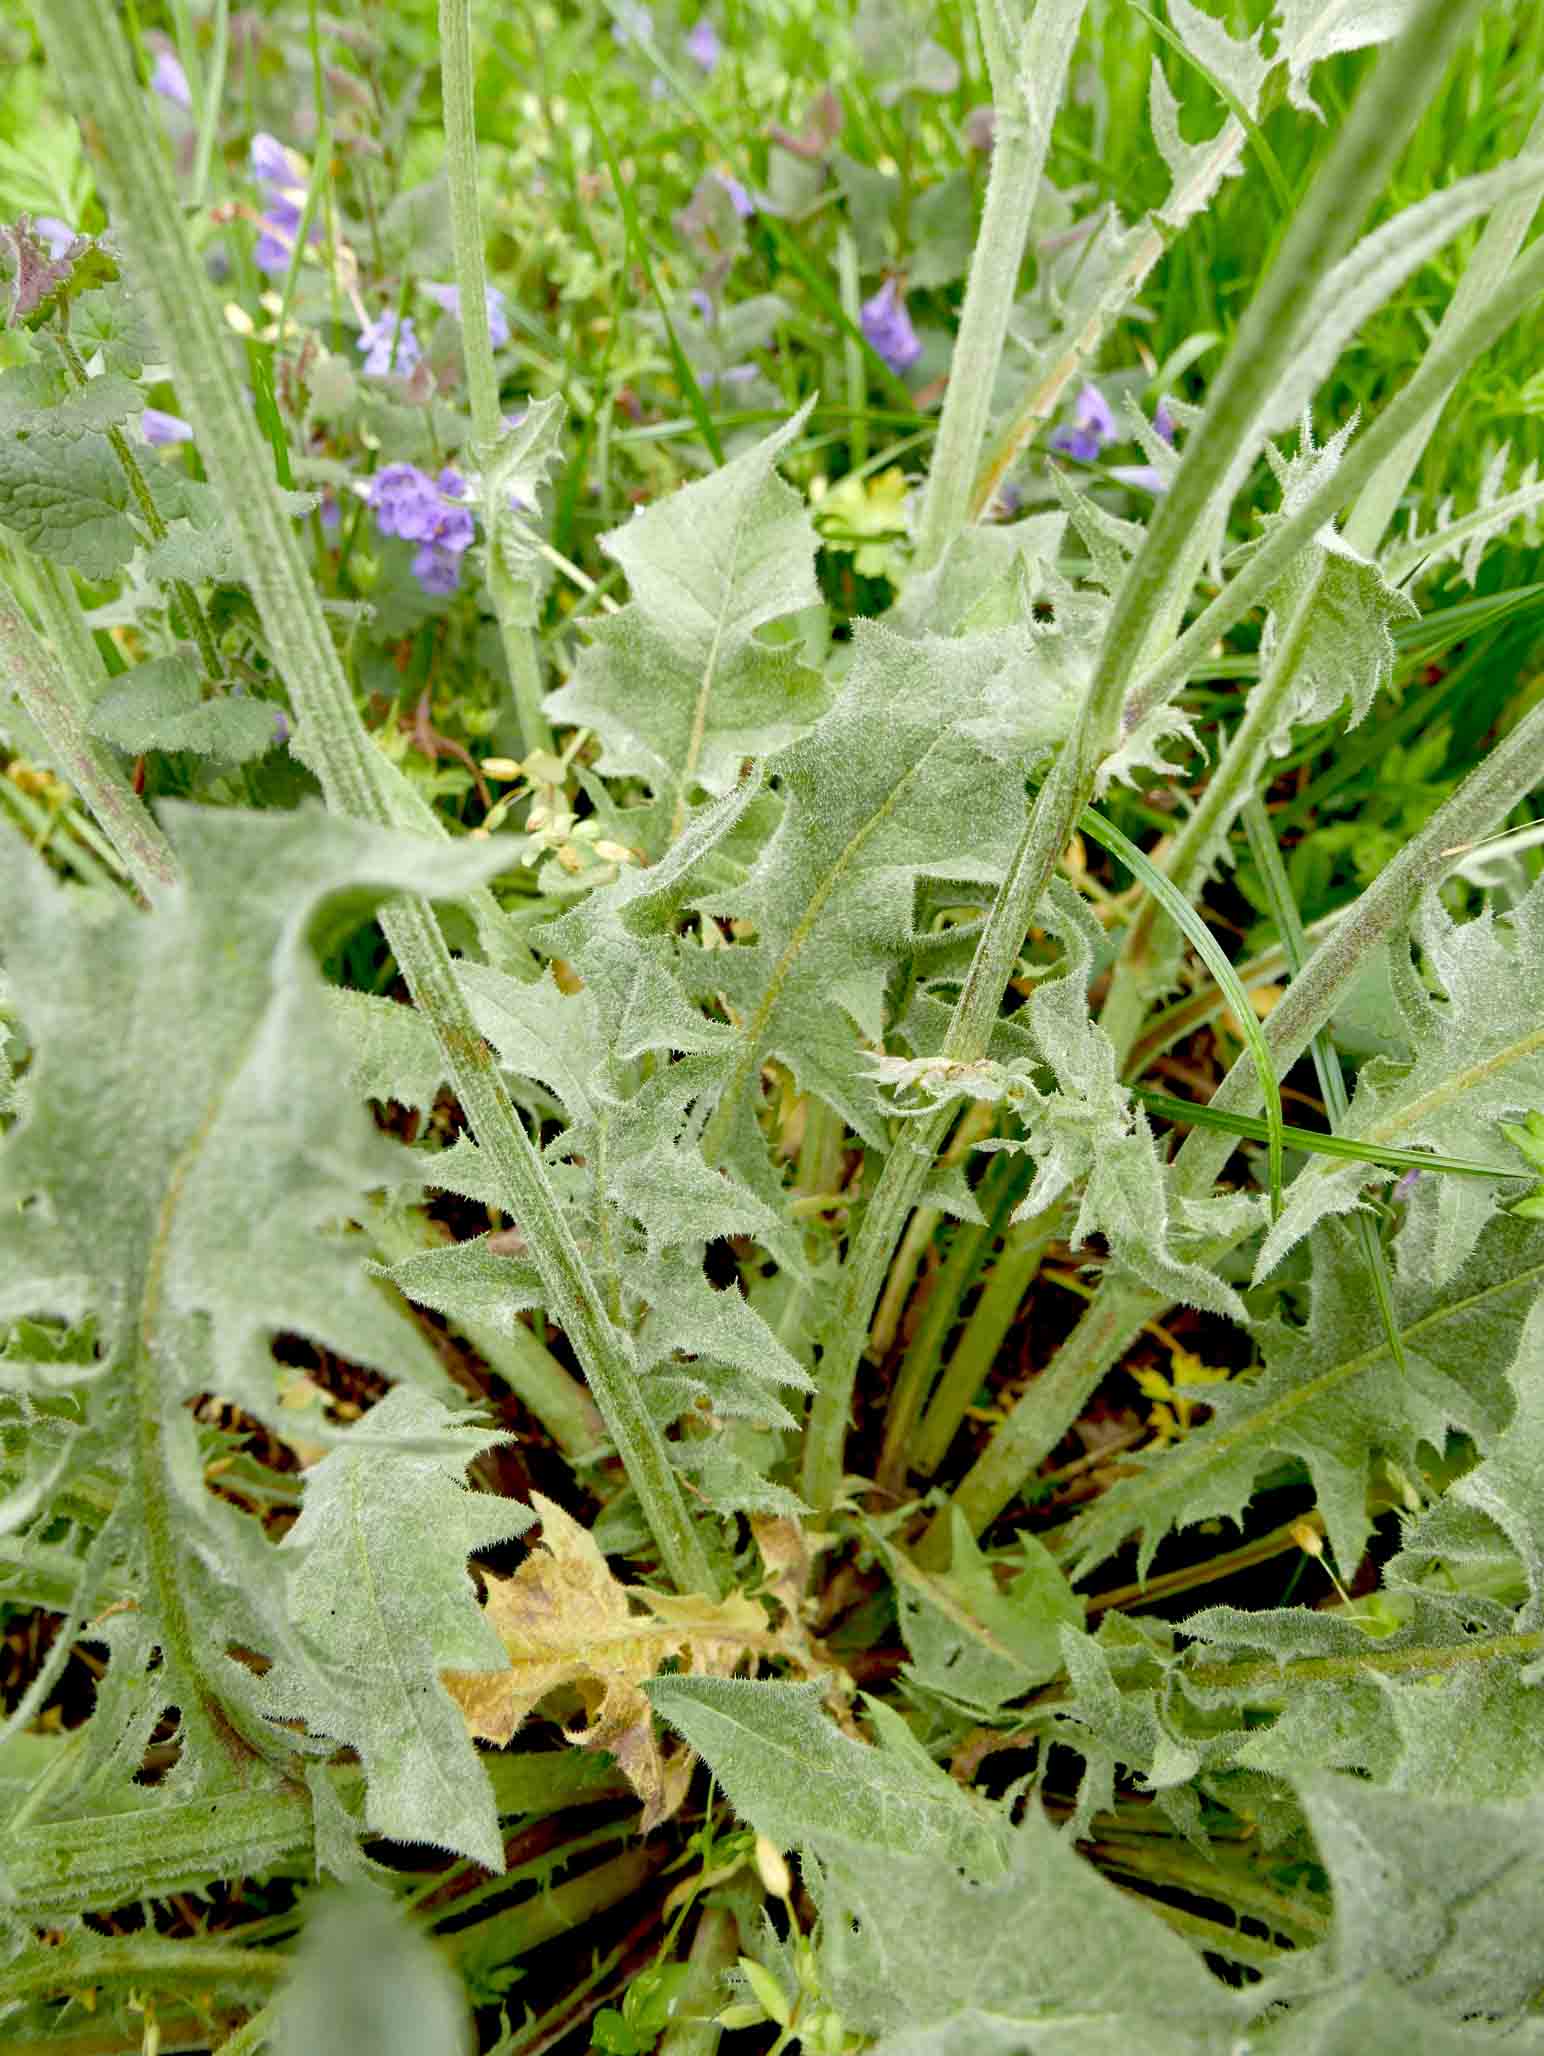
x: 525, y: 1364
x: 1449, y: 356
x: 457, y: 95
x: 999, y: 1192
x: 30, y: 669
x: 64, y: 624
x: 1514, y: 767
x: 1147, y: 946
x: 1024, y: 108
x: 714, y: 1949
x: 150, y: 514
x: 1493, y: 257
x: 91, y: 59
x: 976, y: 1351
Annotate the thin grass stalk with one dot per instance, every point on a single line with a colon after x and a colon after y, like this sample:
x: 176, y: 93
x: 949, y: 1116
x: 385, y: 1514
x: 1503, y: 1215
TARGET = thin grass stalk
x: 457, y: 95
x: 515, y: 1355
x: 1017, y: 1267
x: 1024, y: 107
x: 91, y: 59
x: 1514, y: 768
x: 30, y: 669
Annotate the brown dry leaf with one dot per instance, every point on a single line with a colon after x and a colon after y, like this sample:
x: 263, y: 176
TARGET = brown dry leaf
x: 566, y: 1621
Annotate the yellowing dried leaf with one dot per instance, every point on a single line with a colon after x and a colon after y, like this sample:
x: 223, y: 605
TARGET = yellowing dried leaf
x: 567, y: 1622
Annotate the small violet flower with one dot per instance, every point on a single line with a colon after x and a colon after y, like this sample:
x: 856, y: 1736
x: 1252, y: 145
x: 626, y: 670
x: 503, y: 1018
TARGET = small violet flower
x: 887, y: 328
x: 739, y: 199
x: 170, y: 80
x: 703, y: 45
x: 55, y: 235
x: 1163, y: 423
x: 1093, y: 425
x: 702, y: 304
x: 160, y: 429
x: 390, y: 346
x: 448, y: 298
x: 282, y: 175
x: 406, y: 502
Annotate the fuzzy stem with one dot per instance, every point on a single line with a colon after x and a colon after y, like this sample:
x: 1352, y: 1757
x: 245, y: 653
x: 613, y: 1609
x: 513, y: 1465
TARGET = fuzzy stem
x: 1347, y: 184
x: 1119, y: 1307
x: 457, y: 94
x: 976, y: 1350
x: 30, y: 669
x: 1025, y: 109
x: 90, y: 58
x: 999, y: 1192
x: 1449, y: 356
x: 714, y: 1948
x: 58, y: 608
x: 1493, y: 257
x: 1146, y: 948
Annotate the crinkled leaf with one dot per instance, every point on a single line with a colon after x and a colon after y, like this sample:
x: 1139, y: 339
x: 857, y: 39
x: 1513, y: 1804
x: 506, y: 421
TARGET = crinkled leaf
x: 194, y: 1217
x: 158, y: 706
x: 1046, y: 1957
x: 796, y: 1777
x: 1330, y: 1394
x: 1445, y: 1898
x: 680, y: 685
x: 1477, y: 1057
x: 67, y: 500
x: 379, y: 1585
x: 563, y: 1620
x: 973, y: 1639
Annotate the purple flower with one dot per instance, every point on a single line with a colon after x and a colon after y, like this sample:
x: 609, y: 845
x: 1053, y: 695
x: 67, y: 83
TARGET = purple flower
x: 437, y: 569
x: 282, y: 176
x: 702, y: 304
x: 406, y: 502
x: 329, y: 513
x: 281, y: 727
x: 170, y: 80
x: 55, y: 235
x: 1403, y: 1187
x: 1163, y: 423
x: 449, y: 298
x: 739, y: 199
x: 887, y: 328
x: 702, y: 44
x: 1093, y: 425
x: 390, y: 346
x: 272, y: 164
x: 160, y: 429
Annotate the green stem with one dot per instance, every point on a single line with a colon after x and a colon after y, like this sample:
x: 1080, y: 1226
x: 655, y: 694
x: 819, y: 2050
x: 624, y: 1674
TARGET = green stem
x: 58, y: 608
x: 90, y: 58
x: 1025, y: 106
x: 715, y: 1948
x: 151, y: 1961
x: 998, y: 1194
x: 1346, y: 186
x: 1493, y: 258
x: 506, y: 1937
x: 30, y: 669
x: 150, y: 514
x: 527, y: 1367
x: 1446, y: 361
x: 976, y: 1351
x: 1147, y: 949
x: 1119, y: 1307
x: 1332, y: 1084
x: 457, y: 95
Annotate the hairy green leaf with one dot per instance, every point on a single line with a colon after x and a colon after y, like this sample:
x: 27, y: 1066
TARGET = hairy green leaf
x: 158, y: 706
x: 680, y: 685
x: 1476, y: 1056
x: 1330, y: 1395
